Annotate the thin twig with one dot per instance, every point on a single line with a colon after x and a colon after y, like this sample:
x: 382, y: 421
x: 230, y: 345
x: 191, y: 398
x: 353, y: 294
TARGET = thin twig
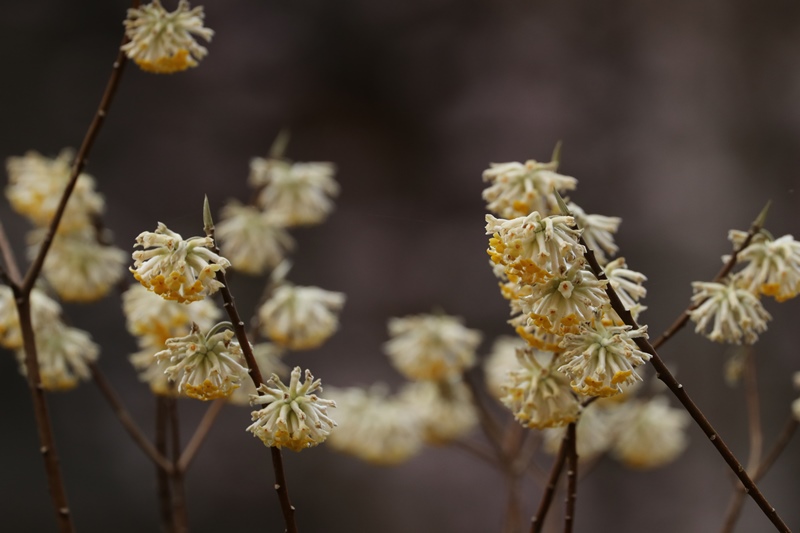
x: 12, y: 267
x: 200, y: 434
x: 681, y: 321
x: 738, y: 497
x: 572, y: 478
x: 281, y: 487
x: 537, y: 522
x: 663, y: 373
x: 488, y: 423
x: 162, y: 476
x: 126, y: 420
x: 179, y: 514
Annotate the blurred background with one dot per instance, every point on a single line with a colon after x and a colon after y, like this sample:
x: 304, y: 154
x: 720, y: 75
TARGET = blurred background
x: 681, y: 117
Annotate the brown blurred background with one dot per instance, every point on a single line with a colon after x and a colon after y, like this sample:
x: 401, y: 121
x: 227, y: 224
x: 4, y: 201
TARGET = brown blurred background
x: 682, y: 117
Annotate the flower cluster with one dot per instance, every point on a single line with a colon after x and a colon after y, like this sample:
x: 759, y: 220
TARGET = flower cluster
x: 300, y: 318
x: 163, y: 42
x: 80, y: 266
x: 293, y: 417
x: 177, y: 269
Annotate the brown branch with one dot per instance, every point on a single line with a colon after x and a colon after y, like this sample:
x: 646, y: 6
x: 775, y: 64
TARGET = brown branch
x: 537, y: 522
x: 179, y: 514
x: 127, y: 421
x: 281, y: 487
x: 162, y: 476
x: 572, y: 478
x: 9, y: 259
x: 681, y: 321
x: 663, y: 373
x: 200, y: 434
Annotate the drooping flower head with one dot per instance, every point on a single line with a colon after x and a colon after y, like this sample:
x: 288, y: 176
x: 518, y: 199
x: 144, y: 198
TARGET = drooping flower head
x: 431, y: 347
x: 293, y: 417
x: 163, y: 42
x: 598, y: 232
x: 445, y: 408
x: 177, y: 269
x: 650, y: 433
x: 601, y: 359
x: 252, y: 239
x: 773, y: 265
x: 36, y: 184
x: 374, y: 426
x: 537, y: 393
x: 518, y: 189
x: 626, y: 283
x: 300, y: 318
x: 533, y: 248
x: 205, y: 366
x: 736, y: 314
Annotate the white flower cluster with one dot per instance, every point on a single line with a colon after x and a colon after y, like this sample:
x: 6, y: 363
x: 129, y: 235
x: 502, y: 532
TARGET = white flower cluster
x: 79, y: 266
x: 557, y: 303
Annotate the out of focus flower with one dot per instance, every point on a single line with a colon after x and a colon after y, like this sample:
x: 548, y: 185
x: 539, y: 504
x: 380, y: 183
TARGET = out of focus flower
x: 518, y: 189
x: 296, y: 194
x: 533, y: 248
x: 650, y: 433
x: 374, y: 426
x: 431, y: 347
x: 600, y: 359
x: 205, y: 366
x: 736, y: 313
x: 445, y: 409
x: 156, y: 319
x: 300, y: 318
x: 594, y: 433
x: 63, y: 355
x: 538, y: 394
x: 44, y: 310
x: 161, y: 41
x: 253, y: 240
x: 502, y: 360
x: 773, y: 265
x: 36, y: 184
x: 565, y: 301
x: 78, y: 268
x: 293, y: 417
x: 177, y: 269
x: 598, y: 232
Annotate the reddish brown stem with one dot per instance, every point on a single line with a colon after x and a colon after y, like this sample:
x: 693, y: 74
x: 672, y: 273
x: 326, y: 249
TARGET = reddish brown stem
x: 179, y: 514
x: 572, y: 478
x: 162, y: 476
x: 537, y: 522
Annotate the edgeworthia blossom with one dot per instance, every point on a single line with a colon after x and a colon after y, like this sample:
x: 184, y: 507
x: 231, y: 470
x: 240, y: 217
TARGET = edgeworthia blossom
x: 300, y: 318
x: 44, y: 310
x: 293, y: 417
x: 598, y: 232
x: 649, y: 433
x: 163, y: 42
x: 735, y: 314
x: 446, y: 409
x: 177, y: 269
x: 773, y: 266
x: 63, y: 353
x: 253, y: 240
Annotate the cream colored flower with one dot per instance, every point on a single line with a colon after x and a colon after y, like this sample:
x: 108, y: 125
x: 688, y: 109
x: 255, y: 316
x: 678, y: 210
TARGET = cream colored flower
x: 534, y: 248
x: 600, y: 359
x: 446, y: 410
x: 736, y: 313
x: 518, y: 189
x: 293, y: 417
x: 177, y: 269
x: 253, y: 240
x: 565, y: 301
x: 374, y: 426
x: 44, y: 310
x: 626, y: 283
x: 77, y: 266
x: 296, y: 194
x: 538, y: 394
x: 300, y: 318
x: 598, y: 232
x: 150, y: 317
x: 36, y: 184
x: 162, y: 41
x: 502, y: 360
x: 205, y: 366
x: 63, y: 355
x: 431, y: 347
x: 773, y: 266
x: 650, y: 433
